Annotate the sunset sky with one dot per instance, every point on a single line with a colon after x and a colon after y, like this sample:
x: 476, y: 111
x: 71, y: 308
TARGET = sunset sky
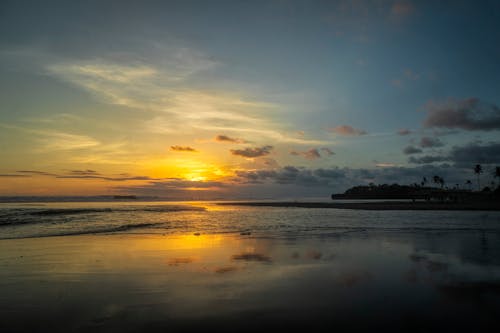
x: 245, y: 99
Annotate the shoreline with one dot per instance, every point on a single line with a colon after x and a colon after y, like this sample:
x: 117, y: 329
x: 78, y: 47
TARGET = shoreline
x: 380, y: 205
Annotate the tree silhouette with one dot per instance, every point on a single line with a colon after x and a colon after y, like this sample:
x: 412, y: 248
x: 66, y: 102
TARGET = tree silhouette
x: 424, y: 181
x: 438, y: 180
x: 469, y: 183
x: 478, y: 170
x: 435, y: 179
x: 496, y: 174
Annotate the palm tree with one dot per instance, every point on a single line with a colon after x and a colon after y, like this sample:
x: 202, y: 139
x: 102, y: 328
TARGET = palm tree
x: 438, y: 180
x: 478, y: 170
x: 469, y: 183
x: 435, y: 179
x: 424, y: 181
x: 496, y: 174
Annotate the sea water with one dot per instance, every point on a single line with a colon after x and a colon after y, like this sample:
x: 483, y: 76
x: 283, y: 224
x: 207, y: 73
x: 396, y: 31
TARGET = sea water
x: 191, y: 266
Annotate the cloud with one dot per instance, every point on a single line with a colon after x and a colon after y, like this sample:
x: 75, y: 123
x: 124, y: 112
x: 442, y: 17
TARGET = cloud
x: 225, y: 138
x: 411, y: 150
x: 402, y: 9
x: 464, y: 156
x: 60, y: 141
x: 473, y: 153
x: 337, y: 180
x: 469, y: 114
x: 159, y: 87
x: 404, y: 131
x: 252, y: 152
x: 428, y: 142
x: 183, y: 149
x: 5, y: 175
x: 36, y: 172
x: 292, y: 175
x: 427, y: 159
x: 347, y: 130
x: 313, y: 153
x: 327, y: 151
x: 84, y: 172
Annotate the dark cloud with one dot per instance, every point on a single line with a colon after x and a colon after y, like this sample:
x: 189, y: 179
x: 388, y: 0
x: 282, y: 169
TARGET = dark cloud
x: 183, y: 149
x: 337, y: 180
x: 347, y: 130
x: 428, y: 142
x: 5, y: 175
x: 35, y: 172
x: 327, y: 151
x: 464, y: 156
x: 411, y: 150
x: 293, y: 175
x: 113, y: 179
x: 252, y: 152
x: 225, y: 138
x: 84, y: 172
x: 334, y: 173
x: 313, y: 153
x: 473, y: 153
x: 469, y: 114
x: 404, y: 131
x: 427, y: 159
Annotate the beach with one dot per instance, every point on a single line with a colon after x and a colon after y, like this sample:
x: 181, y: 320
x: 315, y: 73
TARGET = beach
x: 250, y: 268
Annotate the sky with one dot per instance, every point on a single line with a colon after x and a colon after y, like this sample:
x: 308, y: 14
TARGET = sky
x: 245, y: 99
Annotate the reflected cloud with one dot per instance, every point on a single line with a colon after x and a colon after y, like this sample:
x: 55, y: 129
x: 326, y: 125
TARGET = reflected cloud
x: 226, y: 269
x: 181, y: 261
x: 313, y: 254
x: 249, y: 256
x: 353, y: 279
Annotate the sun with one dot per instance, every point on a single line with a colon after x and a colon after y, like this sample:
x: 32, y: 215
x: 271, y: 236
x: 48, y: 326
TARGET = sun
x: 195, y: 177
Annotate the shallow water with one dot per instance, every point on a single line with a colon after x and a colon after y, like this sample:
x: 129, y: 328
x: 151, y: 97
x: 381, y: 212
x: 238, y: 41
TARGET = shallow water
x: 247, y: 268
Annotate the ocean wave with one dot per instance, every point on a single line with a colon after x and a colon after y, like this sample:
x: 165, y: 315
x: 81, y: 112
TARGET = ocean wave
x: 25, y: 216
x: 96, y: 231
x: 155, y: 209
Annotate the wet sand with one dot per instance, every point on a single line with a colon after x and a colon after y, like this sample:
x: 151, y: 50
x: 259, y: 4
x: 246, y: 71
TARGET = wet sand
x: 378, y: 205
x: 405, y: 281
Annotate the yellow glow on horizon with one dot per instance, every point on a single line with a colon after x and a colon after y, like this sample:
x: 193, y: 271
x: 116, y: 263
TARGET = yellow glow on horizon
x: 188, y: 168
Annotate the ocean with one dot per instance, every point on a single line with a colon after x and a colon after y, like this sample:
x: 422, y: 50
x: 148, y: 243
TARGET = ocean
x: 187, y: 266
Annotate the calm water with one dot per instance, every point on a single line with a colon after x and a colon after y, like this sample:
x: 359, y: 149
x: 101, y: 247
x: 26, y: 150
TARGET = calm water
x: 192, y: 266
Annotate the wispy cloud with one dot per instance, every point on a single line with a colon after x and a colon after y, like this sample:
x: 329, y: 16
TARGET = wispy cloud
x: 163, y: 89
x: 59, y: 141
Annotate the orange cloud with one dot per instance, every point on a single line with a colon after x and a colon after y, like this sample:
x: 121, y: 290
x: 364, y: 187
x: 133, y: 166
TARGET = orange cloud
x: 347, y: 130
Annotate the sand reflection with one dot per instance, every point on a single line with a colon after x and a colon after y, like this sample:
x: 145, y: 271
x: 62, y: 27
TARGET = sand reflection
x: 152, y: 283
